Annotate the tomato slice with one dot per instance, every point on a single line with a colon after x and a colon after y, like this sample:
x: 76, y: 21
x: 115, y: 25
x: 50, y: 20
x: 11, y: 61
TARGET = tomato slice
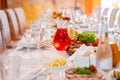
x: 95, y: 43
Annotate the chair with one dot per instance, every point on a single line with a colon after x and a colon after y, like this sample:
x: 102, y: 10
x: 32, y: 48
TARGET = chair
x: 118, y: 21
x: 6, y: 29
x: 2, y: 46
x: 96, y: 13
x: 5, y: 25
x: 13, y: 23
x: 21, y: 19
x: 111, y: 17
x: 104, y: 11
x: 1, y: 42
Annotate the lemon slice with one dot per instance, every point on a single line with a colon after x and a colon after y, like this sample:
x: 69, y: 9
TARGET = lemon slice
x: 57, y: 62
x: 62, y: 61
x: 54, y: 64
x: 72, y: 32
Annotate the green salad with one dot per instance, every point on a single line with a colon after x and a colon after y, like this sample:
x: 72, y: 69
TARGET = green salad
x: 88, y: 37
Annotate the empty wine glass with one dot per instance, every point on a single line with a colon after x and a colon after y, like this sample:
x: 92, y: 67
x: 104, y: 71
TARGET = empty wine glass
x: 113, y: 30
x: 38, y: 36
x: 27, y: 37
x: 90, y: 22
x: 78, y: 15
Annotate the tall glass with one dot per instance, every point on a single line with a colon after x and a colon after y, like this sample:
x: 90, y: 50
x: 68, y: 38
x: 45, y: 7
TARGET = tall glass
x: 10, y: 67
x: 115, y: 51
x: 27, y: 37
x: 38, y: 36
x: 61, y: 40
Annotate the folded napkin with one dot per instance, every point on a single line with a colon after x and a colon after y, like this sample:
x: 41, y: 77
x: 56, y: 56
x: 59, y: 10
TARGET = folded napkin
x: 84, y: 56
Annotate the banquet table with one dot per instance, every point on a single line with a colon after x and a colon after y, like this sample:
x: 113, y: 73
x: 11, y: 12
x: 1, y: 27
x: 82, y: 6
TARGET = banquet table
x: 32, y: 61
x: 27, y: 62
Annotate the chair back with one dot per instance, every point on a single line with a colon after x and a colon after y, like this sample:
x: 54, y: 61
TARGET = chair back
x: 21, y: 19
x: 96, y: 13
x: 1, y: 42
x: 118, y: 21
x: 104, y: 11
x: 2, y: 39
x: 13, y: 21
x: 5, y: 26
x: 111, y: 17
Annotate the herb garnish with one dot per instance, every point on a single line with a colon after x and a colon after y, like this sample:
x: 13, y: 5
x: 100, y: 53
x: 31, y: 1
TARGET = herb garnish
x: 88, y: 37
x: 86, y: 70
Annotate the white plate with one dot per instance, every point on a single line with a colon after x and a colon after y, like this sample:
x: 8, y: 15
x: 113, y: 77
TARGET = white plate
x: 111, y: 74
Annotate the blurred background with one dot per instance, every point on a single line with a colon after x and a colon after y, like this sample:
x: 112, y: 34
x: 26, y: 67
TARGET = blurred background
x: 34, y: 8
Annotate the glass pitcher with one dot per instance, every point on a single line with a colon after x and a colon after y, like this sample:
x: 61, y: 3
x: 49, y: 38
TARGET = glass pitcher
x: 61, y: 40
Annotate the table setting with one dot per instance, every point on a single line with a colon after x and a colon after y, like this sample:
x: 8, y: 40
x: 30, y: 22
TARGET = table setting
x: 57, y: 46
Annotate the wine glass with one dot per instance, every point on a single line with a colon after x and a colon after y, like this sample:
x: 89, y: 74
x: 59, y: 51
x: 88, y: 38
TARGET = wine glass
x: 78, y: 15
x: 38, y: 36
x: 27, y: 37
x: 90, y: 22
x: 113, y: 30
x: 10, y: 67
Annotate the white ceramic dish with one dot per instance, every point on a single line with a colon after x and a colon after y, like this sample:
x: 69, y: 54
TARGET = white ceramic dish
x: 111, y: 74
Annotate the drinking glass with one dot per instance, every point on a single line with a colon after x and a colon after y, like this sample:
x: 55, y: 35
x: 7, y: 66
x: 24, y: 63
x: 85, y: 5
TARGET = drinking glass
x: 10, y: 67
x: 96, y: 29
x: 38, y: 36
x: 115, y: 50
x: 113, y: 30
x: 27, y: 37
x: 90, y: 22
x: 78, y: 15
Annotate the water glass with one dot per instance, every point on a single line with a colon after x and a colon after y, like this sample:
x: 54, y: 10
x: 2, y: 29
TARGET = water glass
x: 38, y: 36
x: 9, y: 67
x: 115, y: 50
x: 27, y: 36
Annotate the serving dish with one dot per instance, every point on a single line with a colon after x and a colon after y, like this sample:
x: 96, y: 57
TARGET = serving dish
x: 71, y: 74
x: 114, y: 74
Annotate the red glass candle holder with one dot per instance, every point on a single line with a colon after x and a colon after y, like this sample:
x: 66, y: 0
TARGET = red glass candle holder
x: 61, y: 39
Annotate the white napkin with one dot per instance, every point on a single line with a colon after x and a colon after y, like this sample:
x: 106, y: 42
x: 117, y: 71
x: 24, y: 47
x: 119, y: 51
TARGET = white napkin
x: 80, y: 58
x: 80, y: 52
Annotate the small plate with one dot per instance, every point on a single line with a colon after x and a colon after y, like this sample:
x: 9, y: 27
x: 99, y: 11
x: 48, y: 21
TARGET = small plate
x: 111, y: 74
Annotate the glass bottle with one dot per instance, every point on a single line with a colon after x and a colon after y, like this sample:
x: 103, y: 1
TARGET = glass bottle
x: 104, y: 52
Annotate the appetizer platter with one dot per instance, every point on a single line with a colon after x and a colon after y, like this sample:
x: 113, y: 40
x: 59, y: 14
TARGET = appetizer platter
x: 84, y: 73
x: 87, y: 38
